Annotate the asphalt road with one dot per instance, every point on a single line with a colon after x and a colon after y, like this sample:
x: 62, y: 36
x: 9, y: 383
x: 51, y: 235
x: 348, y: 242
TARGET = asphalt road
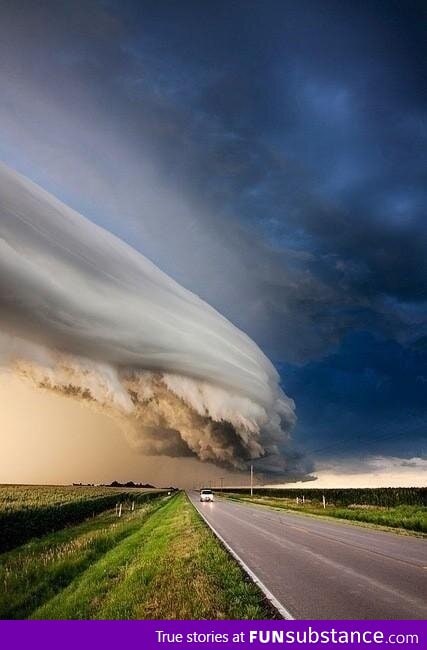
x: 321, y: 569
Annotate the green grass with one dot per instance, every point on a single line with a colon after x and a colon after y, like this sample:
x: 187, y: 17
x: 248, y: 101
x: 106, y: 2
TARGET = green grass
x: 411, y: 518
x: 160, y: 562
x: 34, y: 573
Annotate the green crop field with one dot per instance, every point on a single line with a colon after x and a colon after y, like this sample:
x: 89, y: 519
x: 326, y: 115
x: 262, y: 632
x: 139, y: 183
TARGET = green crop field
x: 382, y: 497
x: 20, y: 497
x: 159, y: 561
x: 404, y: 508
x: 30, y: 511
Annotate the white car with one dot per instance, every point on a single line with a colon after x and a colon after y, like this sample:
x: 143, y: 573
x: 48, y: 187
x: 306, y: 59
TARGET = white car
x: 206, y: 495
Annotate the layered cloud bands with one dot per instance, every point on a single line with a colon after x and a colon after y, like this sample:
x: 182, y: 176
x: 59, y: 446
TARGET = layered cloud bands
x: 85, y: 314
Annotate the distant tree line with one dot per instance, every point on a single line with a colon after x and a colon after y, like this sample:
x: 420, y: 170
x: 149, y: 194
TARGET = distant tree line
x: 131, y: 484
x: 117, y: 484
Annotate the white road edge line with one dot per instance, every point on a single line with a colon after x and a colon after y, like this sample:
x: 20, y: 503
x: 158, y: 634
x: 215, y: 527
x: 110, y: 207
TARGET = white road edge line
x: 267, y: 593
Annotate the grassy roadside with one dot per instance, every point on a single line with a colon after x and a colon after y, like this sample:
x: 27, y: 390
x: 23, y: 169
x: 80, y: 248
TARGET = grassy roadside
x: 160, y: 562
x: 34, y: 573
x: 411, y: 519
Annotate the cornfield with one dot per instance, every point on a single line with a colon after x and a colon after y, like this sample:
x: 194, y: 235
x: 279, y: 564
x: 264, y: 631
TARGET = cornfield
x: 31, y: 511
x: 383, y: 497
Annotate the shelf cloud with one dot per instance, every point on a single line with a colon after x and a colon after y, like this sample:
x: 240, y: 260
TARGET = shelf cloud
x: 86, y: 315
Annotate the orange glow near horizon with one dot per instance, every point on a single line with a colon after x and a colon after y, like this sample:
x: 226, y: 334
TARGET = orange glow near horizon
x: 47, y: 438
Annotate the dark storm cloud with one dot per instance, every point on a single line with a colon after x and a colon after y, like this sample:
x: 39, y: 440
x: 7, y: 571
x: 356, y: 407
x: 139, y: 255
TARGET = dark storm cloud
x: 269, y: 156
x: 317, y: 144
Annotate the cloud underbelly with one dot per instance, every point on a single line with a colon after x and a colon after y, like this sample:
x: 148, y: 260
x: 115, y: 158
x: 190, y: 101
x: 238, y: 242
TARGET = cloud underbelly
x: 85, y: 314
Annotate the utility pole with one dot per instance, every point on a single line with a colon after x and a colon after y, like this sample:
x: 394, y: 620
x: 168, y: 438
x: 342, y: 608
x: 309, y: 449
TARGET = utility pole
x: 252, y: 480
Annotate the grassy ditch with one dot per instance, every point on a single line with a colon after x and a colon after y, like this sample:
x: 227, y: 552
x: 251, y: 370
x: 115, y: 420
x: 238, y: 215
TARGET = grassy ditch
x: 411, y: 518
x: 33, y: 574
x: 158, y: 562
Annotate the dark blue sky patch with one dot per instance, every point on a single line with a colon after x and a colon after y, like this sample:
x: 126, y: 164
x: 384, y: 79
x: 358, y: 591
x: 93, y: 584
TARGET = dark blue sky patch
x: 369, y: 397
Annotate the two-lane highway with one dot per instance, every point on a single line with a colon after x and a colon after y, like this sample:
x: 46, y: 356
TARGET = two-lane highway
x: 321, y: 569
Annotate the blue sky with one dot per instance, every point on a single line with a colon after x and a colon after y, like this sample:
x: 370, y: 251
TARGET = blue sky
x: 271, y: 157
